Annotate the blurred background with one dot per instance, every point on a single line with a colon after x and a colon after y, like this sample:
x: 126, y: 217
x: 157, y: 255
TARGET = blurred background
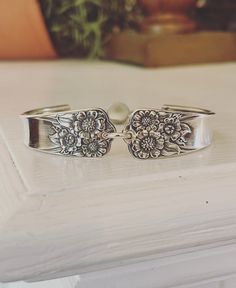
x: 187, y: 31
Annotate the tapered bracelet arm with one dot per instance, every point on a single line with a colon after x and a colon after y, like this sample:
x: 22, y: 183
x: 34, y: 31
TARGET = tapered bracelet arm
x: 170, y: 131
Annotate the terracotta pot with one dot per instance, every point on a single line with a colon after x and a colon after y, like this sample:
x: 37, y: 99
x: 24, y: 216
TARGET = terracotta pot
x: 23, y: 32
x: 168, y: 16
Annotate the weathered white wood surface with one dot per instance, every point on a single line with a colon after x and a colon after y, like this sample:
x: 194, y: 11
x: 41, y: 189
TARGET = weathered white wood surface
x: 207, y: 269
x: 62, y: 216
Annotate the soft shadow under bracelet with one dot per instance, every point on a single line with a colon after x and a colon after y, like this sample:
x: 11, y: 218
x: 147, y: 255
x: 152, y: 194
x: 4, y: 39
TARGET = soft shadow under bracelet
x: 149, y: 133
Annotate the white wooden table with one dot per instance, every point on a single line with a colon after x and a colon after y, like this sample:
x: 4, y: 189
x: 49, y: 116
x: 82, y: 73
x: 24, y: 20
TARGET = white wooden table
x: 116, y: 221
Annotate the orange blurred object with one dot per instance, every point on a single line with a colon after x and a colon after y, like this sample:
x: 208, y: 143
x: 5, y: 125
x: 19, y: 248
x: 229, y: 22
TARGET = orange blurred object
x: 23, y: 33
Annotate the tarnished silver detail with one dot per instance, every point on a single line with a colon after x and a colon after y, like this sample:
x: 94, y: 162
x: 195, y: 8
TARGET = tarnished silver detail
x: 75, y: 133
x: 171, y: 131
x: 150, y: 133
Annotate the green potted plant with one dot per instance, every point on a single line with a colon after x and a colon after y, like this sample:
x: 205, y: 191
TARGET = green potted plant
x: 82, y: 27
x: 49, y: 28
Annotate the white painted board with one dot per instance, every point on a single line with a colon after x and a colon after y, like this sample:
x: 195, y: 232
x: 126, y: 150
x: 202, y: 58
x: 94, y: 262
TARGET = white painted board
x: 61, y: 216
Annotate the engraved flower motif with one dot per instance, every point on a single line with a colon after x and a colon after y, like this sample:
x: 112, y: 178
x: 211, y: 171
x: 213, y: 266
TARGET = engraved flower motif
x: 94, y: 147
x: 88, y: 122
x: 148, y: 145
x: 145, y: 120
x: 157, y: 133
x: 80, y: 133
x: 173, y: 129
x: 170, y: 127
x: 68, y: 142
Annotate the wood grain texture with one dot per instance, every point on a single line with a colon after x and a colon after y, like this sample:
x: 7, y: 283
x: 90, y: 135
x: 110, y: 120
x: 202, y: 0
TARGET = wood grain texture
x: 212, y: 270
x: 81, y: 216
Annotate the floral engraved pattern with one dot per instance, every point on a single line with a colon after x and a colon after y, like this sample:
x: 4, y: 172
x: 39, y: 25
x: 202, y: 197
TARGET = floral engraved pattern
x: 146, y: 120
x: 68, y: 141
x: 87, y: 123
x: 157, y: 133
x: 148, y: 145
x: 79, y: 133
x: 94, y: 147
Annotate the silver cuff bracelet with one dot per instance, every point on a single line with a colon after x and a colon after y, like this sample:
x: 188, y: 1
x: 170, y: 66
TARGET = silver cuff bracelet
x: 149, y: 133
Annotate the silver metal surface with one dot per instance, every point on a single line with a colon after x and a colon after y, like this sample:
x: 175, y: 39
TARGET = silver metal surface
x: 150, y: 133
x: 170, y: 131
x: 73, y: 133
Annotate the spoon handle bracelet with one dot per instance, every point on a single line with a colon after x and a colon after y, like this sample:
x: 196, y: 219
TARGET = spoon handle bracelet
x: 149, y: 133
